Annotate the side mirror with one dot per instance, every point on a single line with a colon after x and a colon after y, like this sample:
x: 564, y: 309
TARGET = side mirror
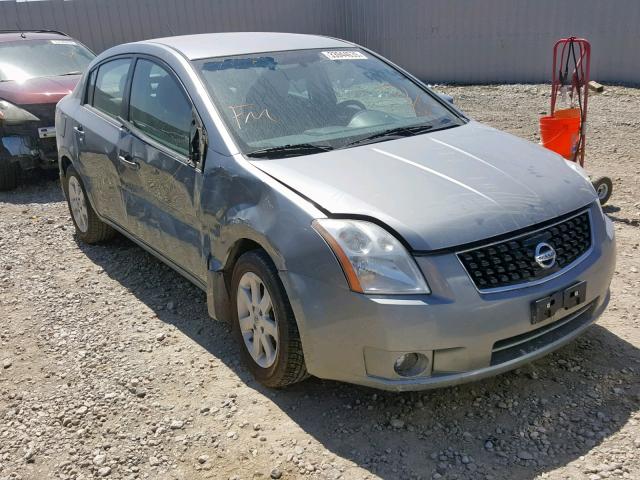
x: 197, y: 143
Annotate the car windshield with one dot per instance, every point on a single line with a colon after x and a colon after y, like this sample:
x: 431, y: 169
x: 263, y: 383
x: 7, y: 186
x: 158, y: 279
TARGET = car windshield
x: 307, y: 101
x: 25, y: 59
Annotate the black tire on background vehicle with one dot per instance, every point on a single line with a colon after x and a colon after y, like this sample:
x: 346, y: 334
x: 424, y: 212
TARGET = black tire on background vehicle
x: 265, y: 319
x: 604, y: 188
x: 89, y: 228
x: 9, y: 174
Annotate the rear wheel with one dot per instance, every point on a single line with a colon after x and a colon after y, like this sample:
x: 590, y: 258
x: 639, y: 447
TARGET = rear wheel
x: 264, y: 324
x: 89, y: 228
x: 9, y: 174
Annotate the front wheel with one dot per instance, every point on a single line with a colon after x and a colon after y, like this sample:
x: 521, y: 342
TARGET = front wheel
x: 264, y: 324
x: 89, y: 228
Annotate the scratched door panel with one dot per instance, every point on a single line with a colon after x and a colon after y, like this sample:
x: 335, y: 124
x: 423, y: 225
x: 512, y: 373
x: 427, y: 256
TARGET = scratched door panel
x: 98, y: 135
x: 97, y: 141
x: 160, y: 204
x: 158, y: 178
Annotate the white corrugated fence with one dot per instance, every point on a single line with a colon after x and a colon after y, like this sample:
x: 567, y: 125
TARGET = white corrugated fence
x: 453, y: 41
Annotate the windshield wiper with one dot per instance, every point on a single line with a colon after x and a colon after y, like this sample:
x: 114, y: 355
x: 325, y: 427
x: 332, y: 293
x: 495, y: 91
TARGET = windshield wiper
x: 77, y: 72
x: 392, y: 134
x: 289, y: 150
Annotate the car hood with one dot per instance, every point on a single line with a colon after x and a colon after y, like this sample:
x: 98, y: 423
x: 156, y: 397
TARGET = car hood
x: 38, y: 90
x: 440, y: 189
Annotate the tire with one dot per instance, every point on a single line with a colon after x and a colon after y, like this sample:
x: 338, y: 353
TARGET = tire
x: 89, y: 228
x: 288, y: 366
x: 604, y: 189
x: 9, y: 174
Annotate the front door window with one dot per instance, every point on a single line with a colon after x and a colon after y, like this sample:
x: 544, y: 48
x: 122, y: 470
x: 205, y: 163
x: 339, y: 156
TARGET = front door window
x: 159, y: 108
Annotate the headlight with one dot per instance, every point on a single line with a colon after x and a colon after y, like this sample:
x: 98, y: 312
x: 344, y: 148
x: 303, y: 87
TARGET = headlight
x: 12, y: 115
x: 372, y: 259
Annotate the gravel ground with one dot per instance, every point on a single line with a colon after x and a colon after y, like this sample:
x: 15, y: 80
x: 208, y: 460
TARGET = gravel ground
x: 110, y: 367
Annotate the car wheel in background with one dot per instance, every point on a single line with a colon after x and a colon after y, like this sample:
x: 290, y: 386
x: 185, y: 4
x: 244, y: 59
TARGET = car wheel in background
x: 89, y: 228
x: 263, y: 322
x: 9, y: 174
x: 604, y: 188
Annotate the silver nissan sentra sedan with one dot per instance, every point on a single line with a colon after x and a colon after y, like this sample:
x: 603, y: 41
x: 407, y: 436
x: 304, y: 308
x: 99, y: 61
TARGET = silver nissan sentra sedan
x: 346, y: 220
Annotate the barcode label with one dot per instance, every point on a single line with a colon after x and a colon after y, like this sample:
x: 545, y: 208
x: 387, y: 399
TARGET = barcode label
x: 344, y: 55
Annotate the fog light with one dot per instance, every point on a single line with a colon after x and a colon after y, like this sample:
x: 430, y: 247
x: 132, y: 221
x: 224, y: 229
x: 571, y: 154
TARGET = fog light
x: 410, y: 364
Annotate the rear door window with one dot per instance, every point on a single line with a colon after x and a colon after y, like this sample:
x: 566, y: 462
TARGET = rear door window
x: 110, y: 84
x: 159, y: 107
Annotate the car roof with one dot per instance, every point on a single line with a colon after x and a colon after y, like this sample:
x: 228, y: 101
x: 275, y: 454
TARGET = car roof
x: 206, y: 45
x: 17, y: 35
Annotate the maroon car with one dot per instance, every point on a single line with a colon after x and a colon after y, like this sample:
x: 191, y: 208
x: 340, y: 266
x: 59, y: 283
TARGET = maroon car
x: 37, y: 69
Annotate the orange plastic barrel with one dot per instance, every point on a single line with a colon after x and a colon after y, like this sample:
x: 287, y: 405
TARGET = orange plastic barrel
x: 561, y: 132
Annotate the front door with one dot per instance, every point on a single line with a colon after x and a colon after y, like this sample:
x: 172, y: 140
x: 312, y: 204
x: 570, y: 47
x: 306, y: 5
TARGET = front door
x: 160, y: 183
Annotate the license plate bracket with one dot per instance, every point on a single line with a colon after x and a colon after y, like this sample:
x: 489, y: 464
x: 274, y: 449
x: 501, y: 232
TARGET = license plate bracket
x: 47, y: 132
x: 546, y: 307
x: 574, y: 295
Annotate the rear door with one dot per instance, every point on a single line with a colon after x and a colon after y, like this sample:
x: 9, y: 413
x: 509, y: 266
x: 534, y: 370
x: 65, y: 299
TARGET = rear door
x: 160, y: 181
x: 99, y: 135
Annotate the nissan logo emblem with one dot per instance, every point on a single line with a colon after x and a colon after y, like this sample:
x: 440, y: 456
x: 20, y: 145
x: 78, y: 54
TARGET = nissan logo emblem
x: 545, y: 255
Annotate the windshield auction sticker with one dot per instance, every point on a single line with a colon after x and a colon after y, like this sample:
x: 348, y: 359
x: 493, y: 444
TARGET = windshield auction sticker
x: 344, y: 55
x: 63, y: 42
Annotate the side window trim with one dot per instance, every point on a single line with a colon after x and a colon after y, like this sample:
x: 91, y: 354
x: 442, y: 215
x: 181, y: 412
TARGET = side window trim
x: 90, y: 85
x: 137, y: 132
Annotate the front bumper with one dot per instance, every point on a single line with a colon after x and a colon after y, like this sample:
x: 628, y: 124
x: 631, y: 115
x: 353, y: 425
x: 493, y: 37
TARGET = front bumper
x: 23, y: 145
x: 465, y: 334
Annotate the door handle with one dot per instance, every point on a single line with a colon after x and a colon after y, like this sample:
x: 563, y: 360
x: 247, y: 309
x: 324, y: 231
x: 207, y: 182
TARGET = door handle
x: 127, y: 162
x: 78, y: 130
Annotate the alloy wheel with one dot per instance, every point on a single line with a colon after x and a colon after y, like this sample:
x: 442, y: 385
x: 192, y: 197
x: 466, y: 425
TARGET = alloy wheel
x: 256, y: 317
x: 78, y: 205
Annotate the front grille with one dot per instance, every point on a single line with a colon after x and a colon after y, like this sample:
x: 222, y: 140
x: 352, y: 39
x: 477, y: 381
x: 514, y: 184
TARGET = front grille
x: 512, y: 262
x: 520, y: 345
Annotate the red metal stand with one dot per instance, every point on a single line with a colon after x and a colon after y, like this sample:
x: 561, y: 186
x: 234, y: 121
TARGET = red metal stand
x: 571, y: 71
x: 571, y: 68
